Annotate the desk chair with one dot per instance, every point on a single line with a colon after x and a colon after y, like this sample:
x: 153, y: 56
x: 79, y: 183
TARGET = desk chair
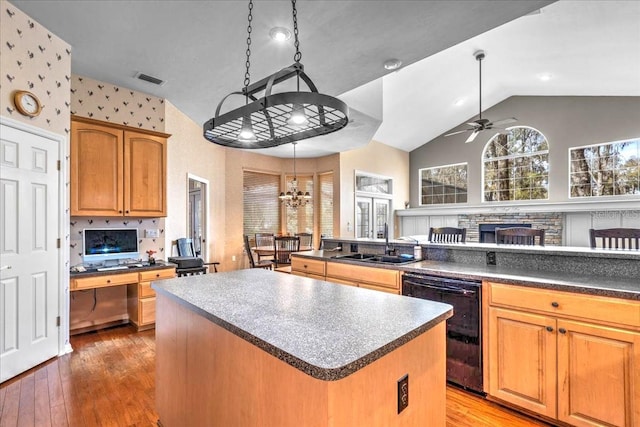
x: 282, y: 249
x: 615, y: 238
x: 519, y: 236
x: 447, y: 235
x: 185, y: 249
x: 266, y: 264
x: 306, y: 240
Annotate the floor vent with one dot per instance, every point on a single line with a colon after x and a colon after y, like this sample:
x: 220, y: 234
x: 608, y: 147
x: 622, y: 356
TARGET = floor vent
x: 150, y: 79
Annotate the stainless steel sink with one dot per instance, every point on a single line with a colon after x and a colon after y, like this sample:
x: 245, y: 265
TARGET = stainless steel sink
x: 373, y: 258
x: 355, y: 256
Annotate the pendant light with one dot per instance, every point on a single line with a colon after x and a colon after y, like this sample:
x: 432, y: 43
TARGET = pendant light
x: 294, y: 197
x: 276, y: 118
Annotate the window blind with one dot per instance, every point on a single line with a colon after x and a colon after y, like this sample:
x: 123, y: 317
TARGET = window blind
x: 261, y: 203
x: 325, y: 182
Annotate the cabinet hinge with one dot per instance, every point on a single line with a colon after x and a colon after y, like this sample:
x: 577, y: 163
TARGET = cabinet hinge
x: 58, y: 321
x: 59, y: 165
x: 58, y: 243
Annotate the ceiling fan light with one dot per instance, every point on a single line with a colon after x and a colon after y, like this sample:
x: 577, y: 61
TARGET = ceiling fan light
x: 297, y: 118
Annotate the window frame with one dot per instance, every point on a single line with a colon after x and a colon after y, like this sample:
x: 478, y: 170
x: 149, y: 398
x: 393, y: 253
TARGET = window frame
x: 466, y: 164
x: 514, y: 156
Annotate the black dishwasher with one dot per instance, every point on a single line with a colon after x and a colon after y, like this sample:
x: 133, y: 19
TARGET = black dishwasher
x: 464, y: 333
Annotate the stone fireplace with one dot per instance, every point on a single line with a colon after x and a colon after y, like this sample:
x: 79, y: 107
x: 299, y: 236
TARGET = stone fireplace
x: 487, y: 232
x: 551, y: 222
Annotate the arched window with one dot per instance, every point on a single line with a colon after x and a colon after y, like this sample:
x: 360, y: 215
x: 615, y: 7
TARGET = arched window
x: 516, y: 166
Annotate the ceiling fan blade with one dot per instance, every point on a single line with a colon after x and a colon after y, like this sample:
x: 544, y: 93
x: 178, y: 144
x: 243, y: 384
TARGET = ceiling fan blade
x: 472, y: 136
x: 458, y: 132
x: 504, y: 121
x: 474, y: 124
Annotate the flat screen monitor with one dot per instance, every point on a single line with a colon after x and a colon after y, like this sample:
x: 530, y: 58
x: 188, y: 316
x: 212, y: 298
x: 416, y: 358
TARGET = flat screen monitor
x: 108, y: 245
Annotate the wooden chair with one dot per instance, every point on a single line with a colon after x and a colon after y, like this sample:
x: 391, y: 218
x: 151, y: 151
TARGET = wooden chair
x: 306, y: 240
x: 283, y: 247
x: 447, y: 235
x: 264, y: 240
x: 186, y: 249
x: 615, y: 238
x: 519, y: 236
x: 266, y: 264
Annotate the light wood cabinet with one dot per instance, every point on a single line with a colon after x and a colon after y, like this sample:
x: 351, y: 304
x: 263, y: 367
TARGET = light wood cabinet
x: 117, y: 170
x: 307, y: 267
x: 141, y: 298
x: 570, y: 357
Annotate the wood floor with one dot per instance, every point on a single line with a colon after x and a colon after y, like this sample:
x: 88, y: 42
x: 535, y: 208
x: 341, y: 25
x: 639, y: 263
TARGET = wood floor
x: 108, y: 380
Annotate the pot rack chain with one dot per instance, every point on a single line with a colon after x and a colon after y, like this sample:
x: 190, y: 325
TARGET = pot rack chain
x: 247, y: 74
x: 298, y: 55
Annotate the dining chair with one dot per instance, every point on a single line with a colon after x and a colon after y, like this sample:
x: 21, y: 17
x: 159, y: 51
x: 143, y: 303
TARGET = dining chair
x: 186, y: 250
x: 615, y: 238
x: 519, y: 236
x: 266, y: 264
x: 306, y: 240
x: 283, y: 247
x: 447, y: 235
x: 264, y: 241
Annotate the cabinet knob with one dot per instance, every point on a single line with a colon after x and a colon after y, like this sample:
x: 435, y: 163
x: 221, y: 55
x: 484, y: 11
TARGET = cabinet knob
x: 549, y: 328
x: 305, y: 266
x: 562, y: 330
x: 157, y: 274
x: 126, y: 211
x: 108, y: 280
x: 119, y: 211
x: 555, y: 304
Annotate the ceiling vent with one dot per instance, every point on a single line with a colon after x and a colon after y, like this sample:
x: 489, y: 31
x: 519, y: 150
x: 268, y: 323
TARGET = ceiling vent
x: 150, y: 79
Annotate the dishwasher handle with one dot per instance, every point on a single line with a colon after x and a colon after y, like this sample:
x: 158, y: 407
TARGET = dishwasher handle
x: 447, y: 289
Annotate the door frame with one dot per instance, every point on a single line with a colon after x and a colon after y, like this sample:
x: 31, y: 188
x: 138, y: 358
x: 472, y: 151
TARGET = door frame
x: 64, y: 225
x: 204, y: 249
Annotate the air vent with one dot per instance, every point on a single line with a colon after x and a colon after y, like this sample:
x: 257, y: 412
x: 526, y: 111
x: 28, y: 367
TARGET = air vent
x: 150, y: 79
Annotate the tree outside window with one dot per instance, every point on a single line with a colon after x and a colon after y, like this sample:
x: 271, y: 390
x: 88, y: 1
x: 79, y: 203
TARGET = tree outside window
x: 443, y: 184
x: 516, y: 166
x: 609, y: 169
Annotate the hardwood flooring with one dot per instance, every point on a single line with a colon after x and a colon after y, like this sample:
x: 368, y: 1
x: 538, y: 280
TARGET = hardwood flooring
x: 108, y: 380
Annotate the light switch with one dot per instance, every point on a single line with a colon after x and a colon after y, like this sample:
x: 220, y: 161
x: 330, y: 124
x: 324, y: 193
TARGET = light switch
x: 152, y: 233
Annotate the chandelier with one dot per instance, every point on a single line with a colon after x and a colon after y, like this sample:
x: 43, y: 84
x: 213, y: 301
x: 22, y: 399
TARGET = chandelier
x: 270, y: 119
x: 294, y: 197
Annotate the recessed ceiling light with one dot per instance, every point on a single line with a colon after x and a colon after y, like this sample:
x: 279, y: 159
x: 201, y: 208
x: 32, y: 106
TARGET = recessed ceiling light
x: 280, y: 34
x: 459, y: 102
x: 545, y: 77
x: 392, y: 64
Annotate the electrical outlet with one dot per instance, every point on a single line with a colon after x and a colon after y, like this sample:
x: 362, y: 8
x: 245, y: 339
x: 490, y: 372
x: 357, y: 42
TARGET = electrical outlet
x: 491, y: 258
x: 152, y: 233
x: 233, y: 258
x: 403, y: 393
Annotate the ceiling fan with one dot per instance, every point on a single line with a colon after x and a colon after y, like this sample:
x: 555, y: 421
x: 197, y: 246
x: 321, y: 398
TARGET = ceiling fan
x: 481, y: 124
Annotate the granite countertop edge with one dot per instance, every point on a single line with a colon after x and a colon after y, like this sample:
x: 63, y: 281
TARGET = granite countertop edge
x: 532, y: 278
x: 320, y: 373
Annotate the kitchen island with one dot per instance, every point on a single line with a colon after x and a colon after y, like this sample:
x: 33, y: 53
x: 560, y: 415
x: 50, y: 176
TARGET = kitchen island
x: 260, y: 348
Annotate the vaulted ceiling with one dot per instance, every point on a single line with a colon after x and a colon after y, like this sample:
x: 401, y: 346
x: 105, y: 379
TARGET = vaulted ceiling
x: 198, y: 47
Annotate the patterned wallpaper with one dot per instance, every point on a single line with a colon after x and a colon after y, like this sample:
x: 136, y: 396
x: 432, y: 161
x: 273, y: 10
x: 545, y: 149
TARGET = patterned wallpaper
x: 142, y: 224
x: 115, y: 104
x: 34, y: 59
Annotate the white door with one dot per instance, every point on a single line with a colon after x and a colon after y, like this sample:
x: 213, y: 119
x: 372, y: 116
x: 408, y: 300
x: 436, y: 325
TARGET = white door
x: 29, y: 256
x: 371, y: 216
x: 364, y: 223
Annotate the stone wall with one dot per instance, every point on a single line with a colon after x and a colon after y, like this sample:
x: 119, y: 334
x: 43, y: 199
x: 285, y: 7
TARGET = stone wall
x: 551, y: 222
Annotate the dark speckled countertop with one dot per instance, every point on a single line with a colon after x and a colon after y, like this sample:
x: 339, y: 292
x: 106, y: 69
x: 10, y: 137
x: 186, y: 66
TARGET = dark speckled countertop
x: 324, y: 329
x: 605, y: 285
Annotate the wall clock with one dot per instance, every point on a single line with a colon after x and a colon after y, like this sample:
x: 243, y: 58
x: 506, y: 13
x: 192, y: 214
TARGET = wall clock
x: 27, y: 103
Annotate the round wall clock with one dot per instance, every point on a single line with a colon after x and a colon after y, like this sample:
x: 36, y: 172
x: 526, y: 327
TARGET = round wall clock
x: 27, y: 103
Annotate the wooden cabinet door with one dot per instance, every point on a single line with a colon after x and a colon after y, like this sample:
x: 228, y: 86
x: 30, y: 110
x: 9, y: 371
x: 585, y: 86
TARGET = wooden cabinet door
x: 598, y: 375
x: 522, y: 359
x: 96, y: 170
x: 145, y: 166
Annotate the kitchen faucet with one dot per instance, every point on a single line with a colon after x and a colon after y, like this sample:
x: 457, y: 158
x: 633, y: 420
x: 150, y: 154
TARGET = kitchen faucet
x: 388, y: 250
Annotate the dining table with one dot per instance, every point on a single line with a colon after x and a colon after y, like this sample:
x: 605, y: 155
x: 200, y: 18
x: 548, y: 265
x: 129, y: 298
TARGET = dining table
x: 268, y: 251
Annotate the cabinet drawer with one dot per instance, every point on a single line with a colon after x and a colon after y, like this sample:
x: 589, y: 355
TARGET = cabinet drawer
x: 102, y: 281
x: 167, y: 273
x: 144, y: 290
x: 359, y: 274
x: 147, y: 311
x: 596, y: 308
x: 309, y: 266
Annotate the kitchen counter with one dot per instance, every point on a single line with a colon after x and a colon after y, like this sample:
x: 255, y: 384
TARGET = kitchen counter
x: 258, y: 347
x: 542, y: 277
x: 93, y: 272
x: 320, y: 328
